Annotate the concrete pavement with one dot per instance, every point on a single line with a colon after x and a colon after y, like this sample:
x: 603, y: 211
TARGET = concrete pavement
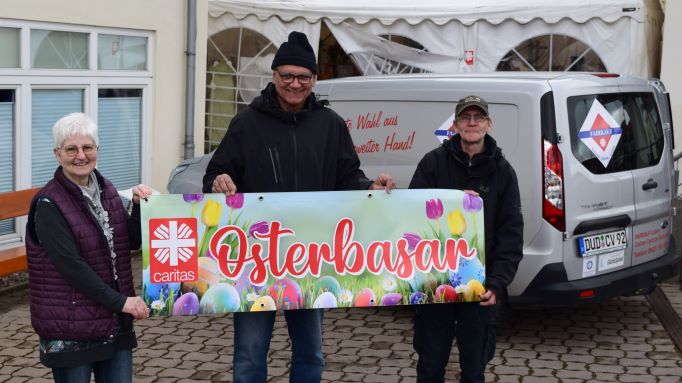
x: 618, y: 341
x: 621, y: 340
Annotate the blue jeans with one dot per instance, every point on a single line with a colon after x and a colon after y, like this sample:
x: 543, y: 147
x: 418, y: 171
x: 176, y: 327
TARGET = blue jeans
x: 252, y: 334
x: 118, y: 369
x: 435, y: 327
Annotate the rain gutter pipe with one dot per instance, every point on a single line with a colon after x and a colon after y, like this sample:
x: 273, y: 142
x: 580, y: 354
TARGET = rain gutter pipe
x: 191, y: 54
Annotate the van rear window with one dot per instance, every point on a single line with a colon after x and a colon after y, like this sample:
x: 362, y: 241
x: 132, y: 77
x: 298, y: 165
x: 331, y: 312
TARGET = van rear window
x: 615, y: 132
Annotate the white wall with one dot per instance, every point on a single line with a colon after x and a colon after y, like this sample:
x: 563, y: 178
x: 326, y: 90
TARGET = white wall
x: 167, y: 19
x: 670, y: 64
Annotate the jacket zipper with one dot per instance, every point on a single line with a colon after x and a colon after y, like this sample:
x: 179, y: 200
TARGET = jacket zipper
x: 293, y: 134
x: 272, y: 161
x: 279, y: 165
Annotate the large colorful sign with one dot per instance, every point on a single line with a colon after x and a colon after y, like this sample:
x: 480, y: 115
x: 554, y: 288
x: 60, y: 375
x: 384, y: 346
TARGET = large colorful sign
x: 211, y: 253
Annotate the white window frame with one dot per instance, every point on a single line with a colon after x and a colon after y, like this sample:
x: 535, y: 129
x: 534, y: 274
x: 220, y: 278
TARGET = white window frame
x: 24, y: 80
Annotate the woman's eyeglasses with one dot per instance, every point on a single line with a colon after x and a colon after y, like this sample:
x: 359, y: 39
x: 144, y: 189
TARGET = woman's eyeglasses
x: 72, y: 150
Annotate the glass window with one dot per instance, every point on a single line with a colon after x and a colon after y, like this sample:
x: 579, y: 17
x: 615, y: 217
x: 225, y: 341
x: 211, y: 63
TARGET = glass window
x: 551, y: 53
x: 641, y: 136
x: 122, y: 52
x: 120, y: 131
x: 48, y: 105
x: 404, y: 40
x: 59, y: 50
x: 9, y: 48
x: 237, y: 69
x: 6, y: 151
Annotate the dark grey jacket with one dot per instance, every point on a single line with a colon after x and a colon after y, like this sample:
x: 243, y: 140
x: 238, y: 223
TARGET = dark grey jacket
x: 489, y: 174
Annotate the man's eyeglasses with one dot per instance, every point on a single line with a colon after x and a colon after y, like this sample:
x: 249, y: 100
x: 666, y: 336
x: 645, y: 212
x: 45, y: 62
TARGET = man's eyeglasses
x: 72, y: 150
x: 476, y: 117
x: 288, y: 78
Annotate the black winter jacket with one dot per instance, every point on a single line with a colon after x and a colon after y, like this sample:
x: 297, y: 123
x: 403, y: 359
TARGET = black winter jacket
x: 267, y: 149
x: 489, y: 174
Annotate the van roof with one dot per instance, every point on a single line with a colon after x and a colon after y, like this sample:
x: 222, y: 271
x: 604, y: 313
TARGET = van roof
x: 542, y: 76
x: 432, y: 86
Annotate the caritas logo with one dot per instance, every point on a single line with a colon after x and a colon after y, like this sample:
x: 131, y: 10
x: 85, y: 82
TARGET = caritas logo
x: 173, y: 250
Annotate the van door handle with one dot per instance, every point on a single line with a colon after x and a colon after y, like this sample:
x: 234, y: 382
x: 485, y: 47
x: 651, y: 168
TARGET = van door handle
x: 650, y: 184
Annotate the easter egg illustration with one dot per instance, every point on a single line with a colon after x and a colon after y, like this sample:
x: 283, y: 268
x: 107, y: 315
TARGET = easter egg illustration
x: 391, y: 299
x: 264, y: 303
x: 445, y: 293
x: 326, y: 283
x: 198, y: 288
x: 187, y: 304
x: 287, y: 294
x: 473, y: 291
x: 209, y: 274
x: 157, y: 291
x: 467, y: 270
x: 365, y: 298
x: 423, y: 282
x: 418, y: 298
x: 209, y: 271
x: 326, y: 300
x: 219, y: 298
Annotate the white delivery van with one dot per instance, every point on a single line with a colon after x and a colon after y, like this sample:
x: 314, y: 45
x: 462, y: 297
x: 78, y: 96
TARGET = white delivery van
x: 593, y: 154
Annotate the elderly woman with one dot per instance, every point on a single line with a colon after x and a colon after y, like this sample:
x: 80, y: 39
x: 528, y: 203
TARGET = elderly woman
x: 79, y: 238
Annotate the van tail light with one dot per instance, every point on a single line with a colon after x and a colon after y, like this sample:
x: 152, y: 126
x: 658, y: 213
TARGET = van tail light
x: 606, y: 75
x: 553, y: 186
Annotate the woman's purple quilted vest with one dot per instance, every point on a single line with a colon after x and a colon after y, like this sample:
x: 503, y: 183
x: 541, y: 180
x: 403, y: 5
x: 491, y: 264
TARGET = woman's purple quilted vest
x: 57, y: 310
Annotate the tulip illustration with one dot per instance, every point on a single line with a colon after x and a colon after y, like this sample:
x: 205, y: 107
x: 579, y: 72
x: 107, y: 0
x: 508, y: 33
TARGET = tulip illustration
x: 434, y: 208
x: 457, y: 223
x: 472, y: 202
x: 193, y: 199
x: 260, y: 227
x: 234, y: 202
x: 412, y: 240
x: 210, y: 216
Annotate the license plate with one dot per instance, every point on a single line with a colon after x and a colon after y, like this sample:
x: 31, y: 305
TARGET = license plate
x: 602, y: 243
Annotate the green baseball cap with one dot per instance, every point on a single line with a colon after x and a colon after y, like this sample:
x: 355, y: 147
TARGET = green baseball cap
x: 472, y: 100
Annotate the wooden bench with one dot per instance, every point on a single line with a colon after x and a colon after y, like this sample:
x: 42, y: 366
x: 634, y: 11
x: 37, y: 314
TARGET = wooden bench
x: 13, y: 205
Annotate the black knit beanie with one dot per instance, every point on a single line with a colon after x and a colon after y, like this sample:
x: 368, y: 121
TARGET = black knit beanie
x: 297, y: 51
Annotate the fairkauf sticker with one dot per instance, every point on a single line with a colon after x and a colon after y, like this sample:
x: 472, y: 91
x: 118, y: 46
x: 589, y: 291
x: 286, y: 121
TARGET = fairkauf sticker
x: 600, y: 133
x: 446, y: 130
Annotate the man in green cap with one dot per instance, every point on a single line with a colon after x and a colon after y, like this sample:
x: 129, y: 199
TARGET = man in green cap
x: 471, y: 161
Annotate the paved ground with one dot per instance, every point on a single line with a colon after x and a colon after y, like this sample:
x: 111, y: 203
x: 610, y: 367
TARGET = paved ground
x: 618, y: 341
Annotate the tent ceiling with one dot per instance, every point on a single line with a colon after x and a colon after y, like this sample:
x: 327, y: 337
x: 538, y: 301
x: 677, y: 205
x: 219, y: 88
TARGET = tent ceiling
x: 437, y: 11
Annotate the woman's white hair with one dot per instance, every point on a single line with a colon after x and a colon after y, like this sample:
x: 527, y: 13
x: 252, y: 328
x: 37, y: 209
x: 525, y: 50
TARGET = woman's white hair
x: 72, y: 125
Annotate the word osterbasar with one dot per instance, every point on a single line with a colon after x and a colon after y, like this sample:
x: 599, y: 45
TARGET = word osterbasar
x: 345, y: 254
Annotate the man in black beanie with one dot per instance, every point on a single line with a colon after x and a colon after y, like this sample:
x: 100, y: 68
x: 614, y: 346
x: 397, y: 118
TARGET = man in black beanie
x: 286, y: 141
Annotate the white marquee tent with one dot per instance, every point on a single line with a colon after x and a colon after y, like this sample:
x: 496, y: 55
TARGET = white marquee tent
x: 446, y: 36
x: 457, y: 36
